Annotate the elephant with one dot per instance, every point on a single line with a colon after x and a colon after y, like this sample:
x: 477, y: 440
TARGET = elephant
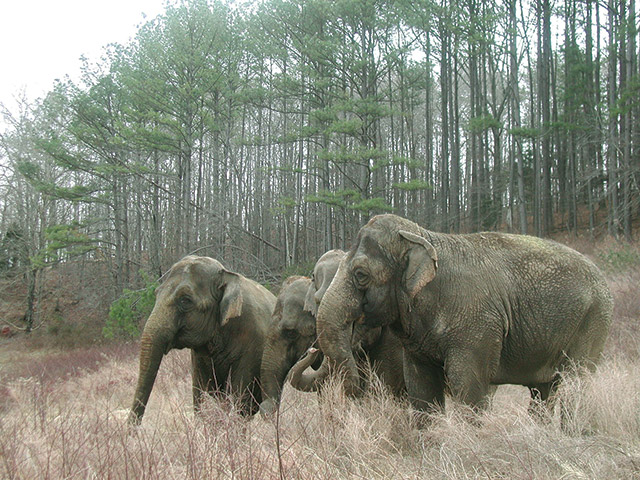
x: 323, y: 272
x: 222, y: 317
x: 293, y: 332
x: 471, y: 310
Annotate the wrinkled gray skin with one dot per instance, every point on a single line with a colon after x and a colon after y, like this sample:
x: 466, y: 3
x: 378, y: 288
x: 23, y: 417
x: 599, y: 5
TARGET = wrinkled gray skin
x: 471, y: 310
x: 293, y: 331
x: 222, y: 317
x: 323, y: 273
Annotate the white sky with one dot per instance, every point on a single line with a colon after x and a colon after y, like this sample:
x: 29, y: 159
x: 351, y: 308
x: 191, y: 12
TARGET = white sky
x: 42, y: 40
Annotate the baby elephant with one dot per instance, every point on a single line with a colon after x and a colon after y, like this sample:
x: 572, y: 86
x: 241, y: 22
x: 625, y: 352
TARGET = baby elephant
x: 293, y: 332
x: 222, y: 317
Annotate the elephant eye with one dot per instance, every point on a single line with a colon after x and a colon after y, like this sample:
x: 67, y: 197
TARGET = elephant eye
x: 185, y: 303
x: 361, y: 277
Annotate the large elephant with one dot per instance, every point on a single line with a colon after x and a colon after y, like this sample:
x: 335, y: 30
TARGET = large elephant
x: 222, y: 317
x: 471, y: 310
x: 293, y: 331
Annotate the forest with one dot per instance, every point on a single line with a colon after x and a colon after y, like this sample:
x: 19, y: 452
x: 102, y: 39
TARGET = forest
x: 266, y: 133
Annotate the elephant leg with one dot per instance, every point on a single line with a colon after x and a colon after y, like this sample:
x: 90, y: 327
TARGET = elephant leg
x: 543, y: 398
x: 253, y: 400
x: 468, y: 380
x: 202, y: 377
x: 425, y: 384
x: 387, y: 363
x: 250, y: 397
x: 242, y: 383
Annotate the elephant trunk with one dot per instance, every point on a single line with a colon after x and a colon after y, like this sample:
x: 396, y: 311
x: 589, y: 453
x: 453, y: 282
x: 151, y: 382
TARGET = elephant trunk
x: 275, y: 365
x: 339, y: 309
x: 155, y: 342
x: 308, y: 382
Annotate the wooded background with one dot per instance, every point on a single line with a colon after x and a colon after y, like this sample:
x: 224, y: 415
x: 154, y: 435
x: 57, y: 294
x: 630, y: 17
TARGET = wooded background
x: 265, y: 133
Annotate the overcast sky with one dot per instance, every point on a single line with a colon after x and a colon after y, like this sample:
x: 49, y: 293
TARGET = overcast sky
x: 41, y: 40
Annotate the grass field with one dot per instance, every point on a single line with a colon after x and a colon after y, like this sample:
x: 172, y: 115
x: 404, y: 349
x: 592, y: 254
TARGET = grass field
x: 64, y: 416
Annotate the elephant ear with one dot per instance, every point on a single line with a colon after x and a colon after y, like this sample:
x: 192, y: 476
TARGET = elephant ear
x: 277, y: 309
x: 310, y: 304
x: 231, y: 303
x: 421, y: 265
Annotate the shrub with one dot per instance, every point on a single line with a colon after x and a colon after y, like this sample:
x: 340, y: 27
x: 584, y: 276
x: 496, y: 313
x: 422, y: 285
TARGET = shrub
x: 127, y: 311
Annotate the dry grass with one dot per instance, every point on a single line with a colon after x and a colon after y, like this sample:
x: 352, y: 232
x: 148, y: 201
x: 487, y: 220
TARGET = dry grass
x: 69, y: 421
x: 76, y: 428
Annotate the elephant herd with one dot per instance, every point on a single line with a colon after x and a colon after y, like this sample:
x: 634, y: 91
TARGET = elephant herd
x: 430, y: 313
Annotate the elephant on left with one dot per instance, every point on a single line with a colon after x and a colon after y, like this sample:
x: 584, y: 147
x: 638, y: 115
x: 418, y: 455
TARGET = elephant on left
x: 222, y: 317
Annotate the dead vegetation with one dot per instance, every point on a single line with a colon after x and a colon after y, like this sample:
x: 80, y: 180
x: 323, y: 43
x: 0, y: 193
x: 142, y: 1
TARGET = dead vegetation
x: 75, y: 428
x: 64, y: 416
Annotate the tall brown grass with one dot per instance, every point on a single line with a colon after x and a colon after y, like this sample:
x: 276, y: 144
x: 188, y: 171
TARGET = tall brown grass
x: 76, y: 428
x: 73, y: 426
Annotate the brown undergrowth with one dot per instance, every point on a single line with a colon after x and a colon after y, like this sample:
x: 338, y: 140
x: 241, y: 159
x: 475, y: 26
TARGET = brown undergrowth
x: 76, y: 428
x: 66, y: 418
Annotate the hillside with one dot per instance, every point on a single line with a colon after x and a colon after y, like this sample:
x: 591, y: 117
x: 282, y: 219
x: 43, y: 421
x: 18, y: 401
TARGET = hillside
x: 73, y: 302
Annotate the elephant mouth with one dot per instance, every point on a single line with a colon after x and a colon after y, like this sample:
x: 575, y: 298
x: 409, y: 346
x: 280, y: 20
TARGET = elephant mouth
x: 176, y: 343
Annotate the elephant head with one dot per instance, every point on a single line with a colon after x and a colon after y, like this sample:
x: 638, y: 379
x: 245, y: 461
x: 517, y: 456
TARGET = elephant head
x: 370, y: 345
x: 292, y: 332
x: 195, y: 308
x: 388, y: 264
x: 323, y: 273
